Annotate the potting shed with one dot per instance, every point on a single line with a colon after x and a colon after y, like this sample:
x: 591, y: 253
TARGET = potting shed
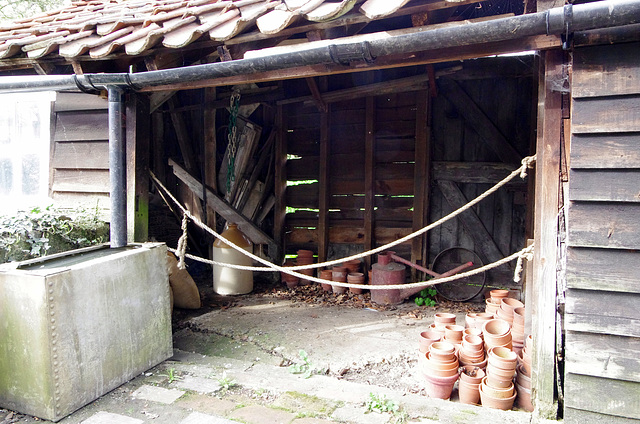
x: 341, y: 126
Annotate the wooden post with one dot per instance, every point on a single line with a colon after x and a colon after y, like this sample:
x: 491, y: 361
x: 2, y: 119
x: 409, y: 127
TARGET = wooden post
x: 323, y: 190
x: 421, y: 178
x: 210, y: 147
x: 137, y: 151
x: 369, y: 179
x: 545, y: 235
x: 280, y: 188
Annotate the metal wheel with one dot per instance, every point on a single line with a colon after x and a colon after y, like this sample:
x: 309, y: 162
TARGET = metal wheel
x: 463, y: 289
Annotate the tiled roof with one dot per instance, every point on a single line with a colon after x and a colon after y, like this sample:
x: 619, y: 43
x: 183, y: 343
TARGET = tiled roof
x: 101, y: 27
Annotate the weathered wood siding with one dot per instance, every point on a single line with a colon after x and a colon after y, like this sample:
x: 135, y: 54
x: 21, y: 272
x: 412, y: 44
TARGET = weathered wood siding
x: 475, y: 122
x: 473, y: 148
x: 80, y: 153
x: 602, y: 320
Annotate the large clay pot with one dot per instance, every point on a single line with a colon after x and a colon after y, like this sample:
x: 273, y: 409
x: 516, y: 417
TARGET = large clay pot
x: 497, y: 403
x: 440, y: 387
x: 290, y: 280
x: 305, y: 257
x: 339, y: 274
x: 508, y: 304
x: 355, y: 278
x: 468, y: 393
x: 326, y: 274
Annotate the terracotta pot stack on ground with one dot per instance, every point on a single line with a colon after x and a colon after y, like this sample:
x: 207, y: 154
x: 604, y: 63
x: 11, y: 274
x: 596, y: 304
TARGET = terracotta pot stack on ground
x: 290, y: 280
x: 472, y: 352
x: 339, y: 274
x: 353, y: 265
x: 517, y: 329
x: 355, y: 278
x: 481, y: 318
x: 497, y: 389
x: 305, y: 257
x: 494, y: 301
x: 441, y: 320
x: 524, y: 357
x: 440, y: 370
x: 326, y: 274
x: 453, y: 334
x: 469, y: 384
x: 523, y: 389
x: 497, y: 333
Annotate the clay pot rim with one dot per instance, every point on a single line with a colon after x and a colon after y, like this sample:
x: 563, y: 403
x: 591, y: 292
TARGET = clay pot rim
x: 497, y: 378
x: 480, y: 374
x: 505, y: 401
x: 499, y: 292
x: 444, y: 347
x: 511, y: 303
x: 425, y: 335
x: 445, y: 317
x: 510, y: 388
x: 454, y: 327
x: 503, y: 353
x: 500, y: 327
x: 471, y: 339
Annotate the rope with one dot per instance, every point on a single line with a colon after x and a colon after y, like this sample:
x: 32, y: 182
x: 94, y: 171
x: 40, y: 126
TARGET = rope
x: 431, y: 282
x: 526, y: 163
x: 182, y: 243
x: 526, y: 254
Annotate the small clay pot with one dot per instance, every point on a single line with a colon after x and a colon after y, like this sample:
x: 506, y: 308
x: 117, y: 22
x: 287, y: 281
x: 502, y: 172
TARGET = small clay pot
x: 326, y: 274
x: 470, y: 320
x: 522, y: 378
x: 355, y: 278
x: 499, y: 294
x: 491, y: 306
x: 442, y: 351
x: 502, y: 355
x: 497, y: 392
x: 500, y: 374
x: 523, y: 399
x: 518, y: 316
x: 497, y: 403
x: 473, y: 331
x: 473, y: 343
x: 427, y: 338
x: 508, y: 304
x: 453, y: 333
x: 444, y: 318
x: 496, y: 328
x: 468, y: 393
x: 439, y: 387
x: 471, y: 374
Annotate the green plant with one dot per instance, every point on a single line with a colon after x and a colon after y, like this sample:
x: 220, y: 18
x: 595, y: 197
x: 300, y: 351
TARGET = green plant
x: 226, y: 382
x: 304, y: 367
x: 171, y: 375
x: 381, y: 404
x: 426, y: 297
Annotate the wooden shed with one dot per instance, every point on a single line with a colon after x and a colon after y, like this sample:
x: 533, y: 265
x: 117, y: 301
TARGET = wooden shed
x: 349, y: 154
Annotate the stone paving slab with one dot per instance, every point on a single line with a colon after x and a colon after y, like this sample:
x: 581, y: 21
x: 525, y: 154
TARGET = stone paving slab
x: 356, y: 414
x: 199, y: 418
x: 157, y: 394
x: 198, y: 384
x: 312, y: 421
x: 103, y: 417
x: 257, y: 414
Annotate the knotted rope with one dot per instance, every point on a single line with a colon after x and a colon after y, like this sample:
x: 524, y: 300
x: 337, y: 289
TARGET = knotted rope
x: 525, y: 254
x: 182, y: 243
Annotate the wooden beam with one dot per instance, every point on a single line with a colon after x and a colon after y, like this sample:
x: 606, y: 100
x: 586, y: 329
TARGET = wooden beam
x: 280, y: 180
x: 474, y: 172
x: 541, y: 42
x: 479, y: 121
x: 210, y: 165
x: 43, y: 68
x: 545, y: 236
x: 369, y: 178
x: 323, y: 186
x: 317, y: 96
x: 138, y: 142
x: 421, y: 177
x: 228, y: 212
x: 485, y: 247
x: 182, y: 134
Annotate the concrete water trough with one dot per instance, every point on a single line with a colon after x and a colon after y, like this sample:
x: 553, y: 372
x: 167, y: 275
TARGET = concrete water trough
x: 76, y: 325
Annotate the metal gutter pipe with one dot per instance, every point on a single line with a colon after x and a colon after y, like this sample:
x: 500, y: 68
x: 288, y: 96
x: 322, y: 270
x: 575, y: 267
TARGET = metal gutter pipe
x: 117, y: 169
x: 561, y: 20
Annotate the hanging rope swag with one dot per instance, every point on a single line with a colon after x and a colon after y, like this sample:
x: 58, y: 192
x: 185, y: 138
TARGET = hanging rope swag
x: 524, y: 254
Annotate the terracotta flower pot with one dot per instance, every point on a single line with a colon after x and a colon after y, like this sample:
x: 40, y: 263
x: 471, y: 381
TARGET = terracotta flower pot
x: 326, y: 274
x: 427, y: 338
x: 522, y: 378
x: 339, y: 274
x: 505, y: 315
x: 470, y: 320
x: 439, y: 387
x: 498, y: 294
x: 499, y: 374
x: 355, y: 278
x: 471, y: 374
x: 453, y: 333
x: 497, y: 392
x: 523, y: 399
x: 491, y: 306
x: 442, y: 351
x: 468, y: 393
x: 508, y: 304
x: 473, y: 343
x: 437, y: 329
x: 353, y: 265
x: 518, y: 316
x: 473, y: 331
x: 496, y: 328
x: 503, y: 358
x: 496, y: 403
x: 444, y: 318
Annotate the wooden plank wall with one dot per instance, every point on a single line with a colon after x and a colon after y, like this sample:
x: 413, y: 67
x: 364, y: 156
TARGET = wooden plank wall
x: 463, y: 156
x: 602, y: 381
x: 80, y: 154
x: 459, y: 153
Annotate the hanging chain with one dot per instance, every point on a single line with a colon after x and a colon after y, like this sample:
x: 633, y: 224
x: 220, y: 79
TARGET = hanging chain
x: 234, y: 105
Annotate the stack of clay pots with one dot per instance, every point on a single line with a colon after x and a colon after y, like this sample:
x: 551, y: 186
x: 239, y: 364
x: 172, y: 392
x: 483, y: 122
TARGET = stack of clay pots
x: 305, y: 257
x: 517, y: 329
x: 355, y: 278
x: 441, y: 320
x: 493, y: 302
x: 497, y: 388
x: 453, y: 333
x: 440, y: 370
x: 472, y: 351
x: 497, y: 333
x: 523, y: 378
x: 326, y: 274
x: 480, y: 318
x: 339, y: 274
x: 290, y: 280
x: 469, y: 384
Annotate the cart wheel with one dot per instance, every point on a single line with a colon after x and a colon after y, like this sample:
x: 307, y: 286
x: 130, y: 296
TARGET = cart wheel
x: 463, y: 289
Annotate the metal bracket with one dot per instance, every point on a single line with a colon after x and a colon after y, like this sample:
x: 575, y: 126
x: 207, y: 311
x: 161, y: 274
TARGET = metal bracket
x: 348, y: 54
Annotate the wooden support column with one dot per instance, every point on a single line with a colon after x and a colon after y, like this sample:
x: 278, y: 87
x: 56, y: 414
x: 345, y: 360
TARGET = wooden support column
x: 138, y: 152
x: 323, y: 193
x: 280, y: 188
x: 546, y: 236
x: 421, y: 177
x: 210, y: 148
x: 369, y: 179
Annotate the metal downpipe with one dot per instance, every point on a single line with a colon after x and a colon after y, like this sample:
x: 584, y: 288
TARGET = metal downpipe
x: 117, y: 168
